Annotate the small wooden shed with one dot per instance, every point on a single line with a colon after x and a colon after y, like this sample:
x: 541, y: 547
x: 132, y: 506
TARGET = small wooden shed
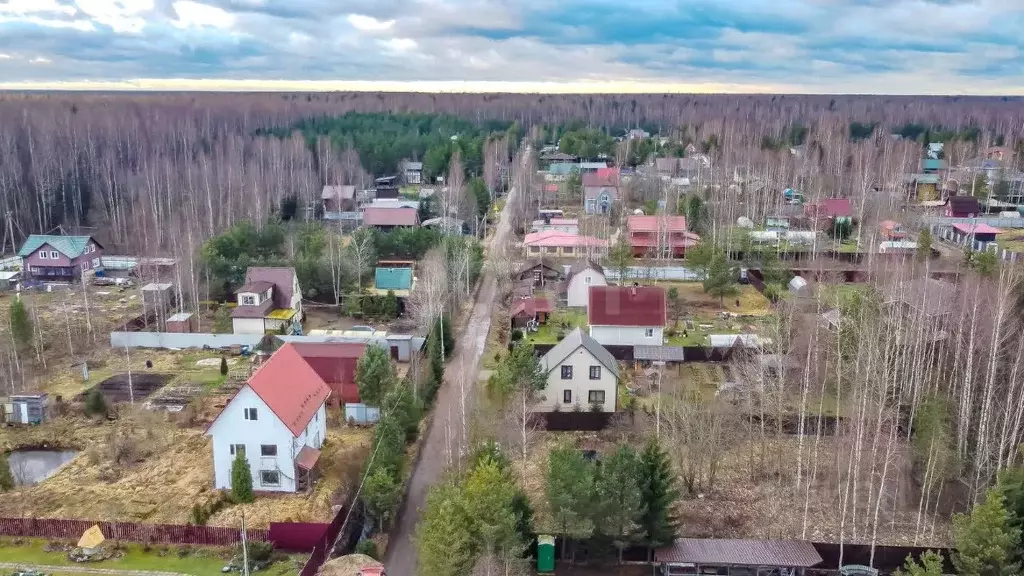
x: 27, y: 408
x: 182, y: 323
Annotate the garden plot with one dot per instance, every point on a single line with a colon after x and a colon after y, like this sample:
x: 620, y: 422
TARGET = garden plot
x: 130, y: 387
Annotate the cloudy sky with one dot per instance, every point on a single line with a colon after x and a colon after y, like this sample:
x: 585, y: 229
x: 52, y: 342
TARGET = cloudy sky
x: 845, y: 46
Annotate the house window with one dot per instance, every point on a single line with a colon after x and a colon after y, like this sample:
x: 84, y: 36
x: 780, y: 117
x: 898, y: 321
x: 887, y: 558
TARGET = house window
x: 248, y: 300
x: 649, y: 333
x: 85, y: 266
x: 238, y: 449
x: 268, y: 449
x: 250, y: 414
x: 270, y: 478
x: 566, y: 372
x: 595, y: 372
x: 552, y: 249
x: 586, y: 279
x: 95, y: 262
x: 53, y: 255
x: 595, y: 397
x: 44, y: 255
x: 567, y: 396
x: 535, y: 249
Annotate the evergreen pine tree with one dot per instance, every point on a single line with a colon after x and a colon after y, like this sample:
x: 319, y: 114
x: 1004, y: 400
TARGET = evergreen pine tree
x: 445, y: 329
x: 657, y: 494
x: 21, y: 325
x: 223, y: 366
x: 241, y: 479
x: 6, y: 478
x: 985, y: 539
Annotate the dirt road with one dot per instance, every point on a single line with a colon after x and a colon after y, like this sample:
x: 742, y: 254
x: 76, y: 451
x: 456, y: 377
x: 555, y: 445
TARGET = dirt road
x: 445, y: 430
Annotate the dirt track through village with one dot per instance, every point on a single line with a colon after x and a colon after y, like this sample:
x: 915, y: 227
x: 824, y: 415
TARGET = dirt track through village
x: 445, y: 430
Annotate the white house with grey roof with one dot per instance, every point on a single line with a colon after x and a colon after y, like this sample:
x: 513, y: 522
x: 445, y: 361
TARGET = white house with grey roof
x: 579, y: 371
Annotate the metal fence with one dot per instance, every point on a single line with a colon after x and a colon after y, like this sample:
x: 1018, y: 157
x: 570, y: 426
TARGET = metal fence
x: 178, y: 340
x: 361, y: 413
x: 951, y: 236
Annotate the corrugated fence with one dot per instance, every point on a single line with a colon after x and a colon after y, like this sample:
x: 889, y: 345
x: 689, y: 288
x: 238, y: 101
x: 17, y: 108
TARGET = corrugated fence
x: 178, y: 340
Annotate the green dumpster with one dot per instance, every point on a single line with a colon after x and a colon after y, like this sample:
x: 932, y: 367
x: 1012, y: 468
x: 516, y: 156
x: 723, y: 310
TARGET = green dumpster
x: 545, y: 554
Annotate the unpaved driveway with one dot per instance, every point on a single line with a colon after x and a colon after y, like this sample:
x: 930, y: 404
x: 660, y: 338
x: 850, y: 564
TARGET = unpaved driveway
x: 445, y: 429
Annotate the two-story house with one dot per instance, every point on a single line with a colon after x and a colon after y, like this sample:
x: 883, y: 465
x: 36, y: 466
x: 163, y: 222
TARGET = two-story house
x: 660, y: 236
x: 600, y: 190
x: 269, y: 301
x: 54, y: 258
x: 412, y: 172
x: 578, y: 372
x: 627, y: 315
x: 277, y: 421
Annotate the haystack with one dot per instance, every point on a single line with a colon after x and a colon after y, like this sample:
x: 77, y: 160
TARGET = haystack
x: 347, y: 565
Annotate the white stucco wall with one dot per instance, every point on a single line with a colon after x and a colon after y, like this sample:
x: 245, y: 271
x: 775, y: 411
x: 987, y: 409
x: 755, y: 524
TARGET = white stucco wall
x: 231, y: 427
x: 578, y: 292
x: 581, y: 360
x: 627, y: 335
x: 247, y: 325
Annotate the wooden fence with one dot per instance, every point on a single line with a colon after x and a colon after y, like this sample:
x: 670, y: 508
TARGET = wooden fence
x: 58, y: 529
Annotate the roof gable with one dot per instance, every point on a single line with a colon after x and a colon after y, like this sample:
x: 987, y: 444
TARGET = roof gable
x: 381, y: 216
x: 282, y: 277
x: 290, y: 387
x: 574, y: 341
x: 626, y: 306
x: 70, y: 246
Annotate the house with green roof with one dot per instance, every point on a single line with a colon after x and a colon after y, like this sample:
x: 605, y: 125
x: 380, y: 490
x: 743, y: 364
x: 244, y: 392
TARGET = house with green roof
x: 397, y: 280
x: 54, y: 258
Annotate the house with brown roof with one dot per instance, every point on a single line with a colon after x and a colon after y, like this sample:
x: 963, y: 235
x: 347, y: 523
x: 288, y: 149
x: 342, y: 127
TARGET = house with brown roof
x: 649, y: 234
x: 627, y: 315
x: 827, y: 213
x: 338, y: 198
x: 277, y: 421
x: 962, y: 207
x: 270, y: 300
x: 530, y: 309
x: 387, y: 218
x: 600, y: 190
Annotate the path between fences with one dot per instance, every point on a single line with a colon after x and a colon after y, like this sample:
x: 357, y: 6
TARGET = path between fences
x: 46, y: 569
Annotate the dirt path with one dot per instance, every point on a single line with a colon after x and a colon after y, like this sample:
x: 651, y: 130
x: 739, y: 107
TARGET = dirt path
x: 445, y: 429
x: 45, y: 569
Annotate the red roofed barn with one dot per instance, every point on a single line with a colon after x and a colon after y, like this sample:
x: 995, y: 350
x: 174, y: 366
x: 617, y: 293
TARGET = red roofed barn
x: 388, y: 218
x: 278, y: 421
x: 627, y: 315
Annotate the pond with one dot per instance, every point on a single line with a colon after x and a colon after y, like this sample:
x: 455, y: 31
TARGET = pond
x: 33, y: 466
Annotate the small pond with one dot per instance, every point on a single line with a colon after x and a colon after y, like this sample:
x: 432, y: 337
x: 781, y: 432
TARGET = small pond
x: 33, y: 466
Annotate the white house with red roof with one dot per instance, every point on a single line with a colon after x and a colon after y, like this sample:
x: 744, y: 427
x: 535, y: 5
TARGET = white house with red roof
x: 278, y: 420
x: 627, y: 315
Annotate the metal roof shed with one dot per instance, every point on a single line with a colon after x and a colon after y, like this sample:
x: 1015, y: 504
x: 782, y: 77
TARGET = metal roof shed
x: 796, y: 554
x: 648, y: 353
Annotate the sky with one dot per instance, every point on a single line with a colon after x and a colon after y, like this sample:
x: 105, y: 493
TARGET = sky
x: 789, y: 46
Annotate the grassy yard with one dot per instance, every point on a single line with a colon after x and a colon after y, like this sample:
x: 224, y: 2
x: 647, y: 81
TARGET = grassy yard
x: 848, y: 246
x: 693, y: 301
x: 1012, y: 240
x: 562, y: 320
x: 198, y: 561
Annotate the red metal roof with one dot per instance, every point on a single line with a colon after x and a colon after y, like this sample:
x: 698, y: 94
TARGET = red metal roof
x: 831, y: 208
x: 602, y: 177
x: 290, y: 387
x: 307, y: 457
x: 976, y: 229
x: 531, y: 307
x: 558, y: 238
x: 626, y: 306
x: 377, y: 216
x: 653, y: 223
x: 335, y: 363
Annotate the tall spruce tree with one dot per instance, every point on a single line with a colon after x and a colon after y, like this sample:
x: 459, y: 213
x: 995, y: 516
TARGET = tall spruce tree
x: 657, y: 494
x: 241, y: 479
x: 985, y: 540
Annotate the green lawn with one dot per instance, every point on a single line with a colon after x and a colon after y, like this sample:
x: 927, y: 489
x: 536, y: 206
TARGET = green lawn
x: 186, y: 560
x: 562, y: 320
x: 848, y: 246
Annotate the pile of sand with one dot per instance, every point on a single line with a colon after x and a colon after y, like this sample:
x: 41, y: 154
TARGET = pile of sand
x: 347, y: 565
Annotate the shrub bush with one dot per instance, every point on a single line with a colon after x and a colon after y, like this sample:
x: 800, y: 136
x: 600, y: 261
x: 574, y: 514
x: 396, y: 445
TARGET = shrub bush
x: 367, y: 547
